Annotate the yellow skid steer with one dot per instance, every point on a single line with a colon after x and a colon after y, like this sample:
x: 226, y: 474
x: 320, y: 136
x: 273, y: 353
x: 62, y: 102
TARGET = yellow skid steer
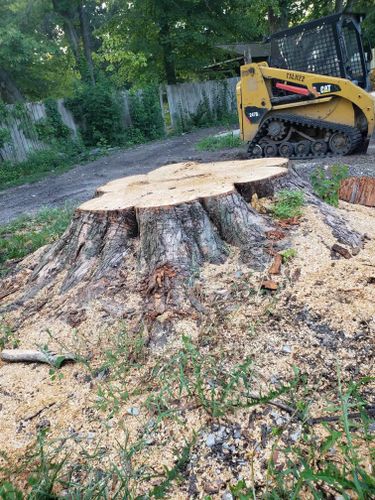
x: 312, y: 97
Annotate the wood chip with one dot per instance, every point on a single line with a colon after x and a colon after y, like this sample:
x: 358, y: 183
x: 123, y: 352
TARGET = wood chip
x: 269, y: 285
x: 344, y: 252
x: 276, y: 264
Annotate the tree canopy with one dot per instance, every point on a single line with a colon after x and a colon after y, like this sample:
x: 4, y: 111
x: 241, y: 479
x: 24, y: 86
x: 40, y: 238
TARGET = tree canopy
x: 48, y: 47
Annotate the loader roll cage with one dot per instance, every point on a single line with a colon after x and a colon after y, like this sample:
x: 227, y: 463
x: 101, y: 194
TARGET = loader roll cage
x: 329, y: 46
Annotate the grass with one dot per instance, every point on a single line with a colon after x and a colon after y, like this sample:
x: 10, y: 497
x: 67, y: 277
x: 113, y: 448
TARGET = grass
x: 28, y: 233
x: 203, y: 381
x: 288, y: 204
x: 213, y: 142
x: 327, y: 460
x: 54, y: 160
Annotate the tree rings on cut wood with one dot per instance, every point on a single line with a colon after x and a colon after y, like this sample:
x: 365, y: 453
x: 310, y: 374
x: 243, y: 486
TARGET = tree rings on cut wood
x: 358, y: 190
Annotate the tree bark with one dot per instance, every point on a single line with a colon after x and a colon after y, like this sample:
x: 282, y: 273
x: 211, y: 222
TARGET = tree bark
x: 278, y: 20
x: 9, y: 92
x: 168, y: 56
x: 174, y: 220
x: 86, y: 38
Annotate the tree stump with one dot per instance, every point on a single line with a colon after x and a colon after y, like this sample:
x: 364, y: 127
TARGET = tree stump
x: 360, y: 190
x: 175, y: 219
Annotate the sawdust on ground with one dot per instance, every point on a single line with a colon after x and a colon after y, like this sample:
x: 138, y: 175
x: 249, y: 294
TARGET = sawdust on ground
x: 322, y: 316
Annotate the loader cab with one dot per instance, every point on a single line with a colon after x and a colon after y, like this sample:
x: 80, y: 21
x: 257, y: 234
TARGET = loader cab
x: 329, y: 46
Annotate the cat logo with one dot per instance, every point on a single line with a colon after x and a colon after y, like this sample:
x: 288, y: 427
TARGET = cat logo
x: 324, y: 89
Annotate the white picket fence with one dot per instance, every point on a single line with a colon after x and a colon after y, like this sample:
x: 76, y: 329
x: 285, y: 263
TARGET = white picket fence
x: 183, y: 101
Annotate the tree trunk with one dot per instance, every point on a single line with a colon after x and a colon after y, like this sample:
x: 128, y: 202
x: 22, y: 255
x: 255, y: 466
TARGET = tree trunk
x: 173, y: 220
x: 278, y: 20
x: 168, y: 56
x: 86, y: 37
x: 9, y: 91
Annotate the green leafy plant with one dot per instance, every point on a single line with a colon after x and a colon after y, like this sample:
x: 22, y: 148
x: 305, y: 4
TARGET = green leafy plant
x: 214, y: 142
x: 52, y: 127
x: 288, y: 254
x: 326, y: 183
x: 146, y: 116
x: 7, y: 336
x: 326, y: 461
x: 97, y: 110
x: 5, y: 136
x: 288, y: 204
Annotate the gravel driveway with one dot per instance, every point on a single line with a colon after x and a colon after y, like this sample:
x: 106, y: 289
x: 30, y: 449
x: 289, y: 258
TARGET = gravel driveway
x: 79, y: 183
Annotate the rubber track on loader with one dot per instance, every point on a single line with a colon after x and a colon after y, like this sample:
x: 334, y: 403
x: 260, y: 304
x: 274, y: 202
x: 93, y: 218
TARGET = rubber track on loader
x: 294, y: 120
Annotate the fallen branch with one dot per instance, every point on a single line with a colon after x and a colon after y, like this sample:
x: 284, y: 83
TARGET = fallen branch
x: 33, y: 356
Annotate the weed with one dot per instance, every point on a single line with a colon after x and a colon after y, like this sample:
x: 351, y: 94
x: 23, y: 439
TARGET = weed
x: 127, y: 353
x: 326, y: 183
x: 7, y: 336
x: 288, y: 204
x: 214, y: 142
x: 171, y: 475
x: 204, y: 381
x: 288, y: 254
x: 26, y: 234
x: 321, y: 467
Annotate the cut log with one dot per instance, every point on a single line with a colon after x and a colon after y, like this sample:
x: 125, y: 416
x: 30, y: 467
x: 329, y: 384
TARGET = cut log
x: 359, y: 190
x: 173, y: 220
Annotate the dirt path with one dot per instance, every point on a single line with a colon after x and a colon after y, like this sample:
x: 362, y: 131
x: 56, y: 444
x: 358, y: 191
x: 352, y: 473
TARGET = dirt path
x: 79, y: 183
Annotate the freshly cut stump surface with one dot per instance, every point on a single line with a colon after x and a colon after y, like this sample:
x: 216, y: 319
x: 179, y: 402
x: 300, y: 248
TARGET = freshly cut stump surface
x: 173, y: 220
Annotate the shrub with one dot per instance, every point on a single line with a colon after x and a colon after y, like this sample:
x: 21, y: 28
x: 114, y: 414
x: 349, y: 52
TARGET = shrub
x: 146, y: 115
x: 97, y: 110
x: 326, y: 184
x: 288, y: 204
x: 52, y: 127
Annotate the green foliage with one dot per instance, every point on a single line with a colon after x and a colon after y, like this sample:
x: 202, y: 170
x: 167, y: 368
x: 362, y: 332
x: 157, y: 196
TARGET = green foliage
x: 205, y: 381
x: 213, y: 143
x: 4, y: 136
x: 26, y: 234
x: 7, y: 334
x: 322, y: 467
x: 40, y: 163
x: 288, y: 204
x: 326, y: 183
x: 10, y: 492
x: 97, y: 110
x: 288, y: 254
x: 52, y: 127
x: 146, y: 115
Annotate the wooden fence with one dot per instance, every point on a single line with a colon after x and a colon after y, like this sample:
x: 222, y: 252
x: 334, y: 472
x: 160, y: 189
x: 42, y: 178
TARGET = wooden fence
x: 182, y: 103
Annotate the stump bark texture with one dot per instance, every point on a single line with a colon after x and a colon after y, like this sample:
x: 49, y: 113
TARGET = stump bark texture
x: 175, y: 219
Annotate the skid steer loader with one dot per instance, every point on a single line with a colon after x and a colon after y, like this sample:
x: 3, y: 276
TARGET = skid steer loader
x: 312, y: 97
